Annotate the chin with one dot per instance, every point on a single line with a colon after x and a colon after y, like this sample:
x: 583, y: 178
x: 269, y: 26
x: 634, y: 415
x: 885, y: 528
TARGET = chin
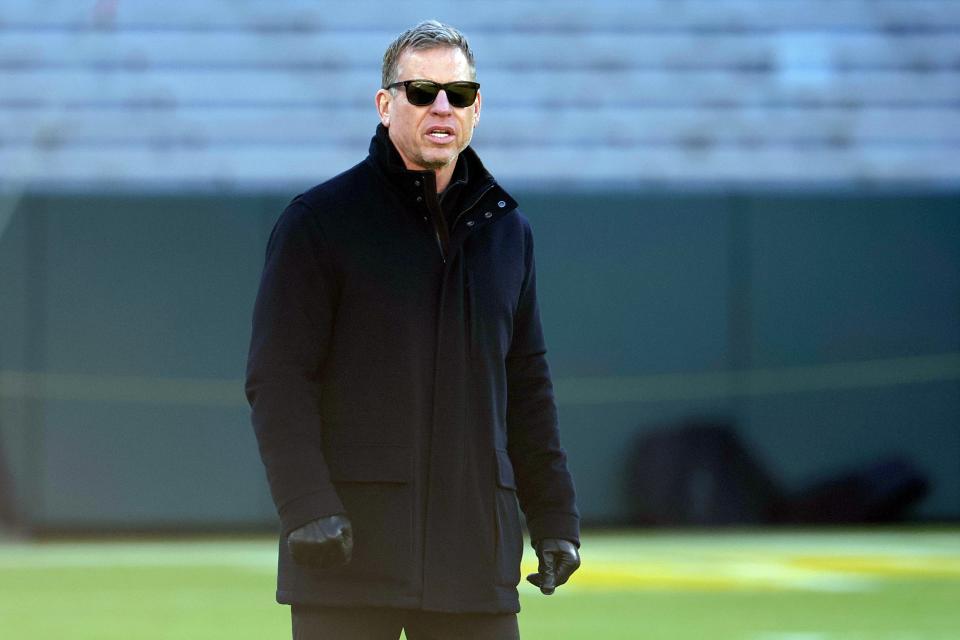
x: 435, y: 163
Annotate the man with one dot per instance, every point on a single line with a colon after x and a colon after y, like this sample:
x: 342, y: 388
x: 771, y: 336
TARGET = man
x: 399, y: 390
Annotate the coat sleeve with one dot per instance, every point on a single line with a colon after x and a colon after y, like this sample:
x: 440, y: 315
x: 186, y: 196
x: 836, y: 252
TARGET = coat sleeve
x: 544, y: 485
x: 292, y: 324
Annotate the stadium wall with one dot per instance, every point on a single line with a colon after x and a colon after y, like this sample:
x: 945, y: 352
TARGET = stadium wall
x: 826, y: 325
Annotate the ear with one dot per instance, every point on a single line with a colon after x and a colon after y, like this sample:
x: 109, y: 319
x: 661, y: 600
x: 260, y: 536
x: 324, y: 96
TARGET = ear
x: 476, y: 109
x: 384, y: 100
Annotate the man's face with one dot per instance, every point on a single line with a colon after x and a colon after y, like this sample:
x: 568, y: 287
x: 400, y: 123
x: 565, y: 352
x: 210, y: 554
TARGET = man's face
x: 429, y: 137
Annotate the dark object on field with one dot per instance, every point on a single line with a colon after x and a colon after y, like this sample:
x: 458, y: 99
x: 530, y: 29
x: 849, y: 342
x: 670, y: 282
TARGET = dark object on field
x: 880, y: 492
x: 698, y: 474
x: 702, y: 473
x: 8, y: 511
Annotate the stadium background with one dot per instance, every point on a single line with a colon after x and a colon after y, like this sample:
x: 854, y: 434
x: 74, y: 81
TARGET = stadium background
x: 744, y: 210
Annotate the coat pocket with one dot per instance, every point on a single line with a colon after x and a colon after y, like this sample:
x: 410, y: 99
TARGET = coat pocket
x: 509, y: 543
x: 373, y: 483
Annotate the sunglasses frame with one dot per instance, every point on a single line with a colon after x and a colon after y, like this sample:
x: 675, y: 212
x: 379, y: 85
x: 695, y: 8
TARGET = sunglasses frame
x: 406, y: 88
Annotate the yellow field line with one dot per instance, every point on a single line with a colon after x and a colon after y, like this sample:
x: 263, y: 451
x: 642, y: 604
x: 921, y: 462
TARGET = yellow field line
x: 919, y: 566
x: 764, y: 572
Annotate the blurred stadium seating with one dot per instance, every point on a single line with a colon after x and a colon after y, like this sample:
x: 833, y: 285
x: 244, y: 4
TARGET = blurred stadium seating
x: 248, y: 95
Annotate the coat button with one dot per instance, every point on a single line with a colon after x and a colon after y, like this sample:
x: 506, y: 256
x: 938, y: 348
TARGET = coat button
x: 501, y: 204
x: 416, y: 183
x: 488, y: 215
x: 470, y: 223
x: 419, y: 198
x: 424, y: 218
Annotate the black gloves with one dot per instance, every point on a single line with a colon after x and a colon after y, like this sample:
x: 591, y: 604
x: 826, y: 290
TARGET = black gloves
x: 327, y: 542
x: 323, y: 543
x: 558, y: 559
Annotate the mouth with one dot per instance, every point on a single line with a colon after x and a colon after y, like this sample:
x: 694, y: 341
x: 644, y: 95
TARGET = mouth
x: 440, y: 133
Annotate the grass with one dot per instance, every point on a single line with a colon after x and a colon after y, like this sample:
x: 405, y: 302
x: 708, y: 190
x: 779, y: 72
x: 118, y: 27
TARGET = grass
x: 876, y: 585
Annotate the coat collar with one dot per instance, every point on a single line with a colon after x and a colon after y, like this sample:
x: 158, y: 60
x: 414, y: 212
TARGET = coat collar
x: 478, y: 188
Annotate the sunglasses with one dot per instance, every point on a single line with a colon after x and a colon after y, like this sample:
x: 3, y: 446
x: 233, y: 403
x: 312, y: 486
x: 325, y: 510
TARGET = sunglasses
x: 420, y: 93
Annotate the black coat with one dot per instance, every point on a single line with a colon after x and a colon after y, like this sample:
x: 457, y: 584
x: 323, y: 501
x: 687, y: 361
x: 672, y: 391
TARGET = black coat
x: 408, y: 389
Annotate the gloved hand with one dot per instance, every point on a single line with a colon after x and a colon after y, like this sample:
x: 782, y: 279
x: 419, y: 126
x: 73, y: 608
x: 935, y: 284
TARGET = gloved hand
x: 323, y: 543
x: 558, y: 560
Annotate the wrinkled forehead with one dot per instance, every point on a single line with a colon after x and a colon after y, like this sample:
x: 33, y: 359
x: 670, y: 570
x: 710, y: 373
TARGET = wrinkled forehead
x: 440, y: 64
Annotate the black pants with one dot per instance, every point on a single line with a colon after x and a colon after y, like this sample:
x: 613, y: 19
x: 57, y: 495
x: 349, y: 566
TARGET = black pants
x: 374, y: 623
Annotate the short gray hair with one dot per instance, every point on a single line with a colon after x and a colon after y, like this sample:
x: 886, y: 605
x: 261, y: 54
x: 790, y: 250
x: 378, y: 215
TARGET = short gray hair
x: 426, y: 35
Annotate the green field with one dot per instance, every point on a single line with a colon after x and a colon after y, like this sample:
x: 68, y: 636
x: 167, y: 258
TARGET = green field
x: 884, y: 584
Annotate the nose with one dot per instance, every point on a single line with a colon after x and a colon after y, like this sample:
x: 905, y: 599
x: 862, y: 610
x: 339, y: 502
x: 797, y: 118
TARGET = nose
x: 441, y: 105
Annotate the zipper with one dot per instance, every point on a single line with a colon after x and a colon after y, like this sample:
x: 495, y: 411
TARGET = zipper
x: 436, y: 234
x: 436, y: 218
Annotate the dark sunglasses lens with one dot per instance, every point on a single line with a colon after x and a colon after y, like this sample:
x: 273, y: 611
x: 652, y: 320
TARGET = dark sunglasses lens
x: 461, y: 94
x: 422, y: 93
